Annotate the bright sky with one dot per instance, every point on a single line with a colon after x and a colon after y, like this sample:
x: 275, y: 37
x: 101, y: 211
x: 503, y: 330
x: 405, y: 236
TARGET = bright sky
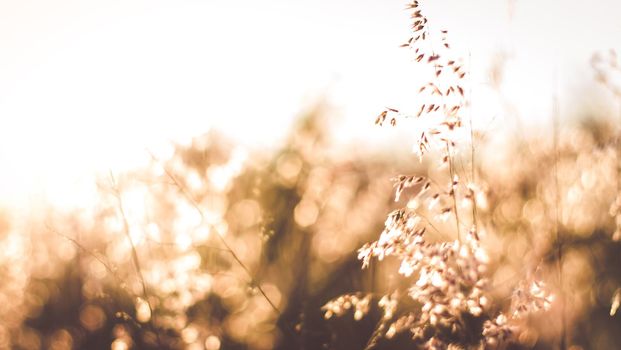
x: 87, y: 85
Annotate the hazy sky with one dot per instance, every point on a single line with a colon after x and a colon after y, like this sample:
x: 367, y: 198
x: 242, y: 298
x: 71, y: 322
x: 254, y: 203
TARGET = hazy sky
x: 89, y: 84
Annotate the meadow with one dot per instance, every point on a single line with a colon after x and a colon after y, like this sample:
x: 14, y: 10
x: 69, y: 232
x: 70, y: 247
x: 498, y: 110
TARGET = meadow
x: 458, y: 234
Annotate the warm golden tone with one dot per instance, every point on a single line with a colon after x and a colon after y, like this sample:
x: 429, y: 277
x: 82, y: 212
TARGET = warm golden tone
x: 460, y: 231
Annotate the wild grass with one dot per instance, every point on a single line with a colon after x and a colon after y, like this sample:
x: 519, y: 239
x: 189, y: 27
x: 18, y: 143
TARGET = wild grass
x: 499, y: 242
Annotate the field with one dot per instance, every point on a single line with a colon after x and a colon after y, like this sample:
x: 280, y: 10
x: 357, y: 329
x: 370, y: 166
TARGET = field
x: 456, y: 224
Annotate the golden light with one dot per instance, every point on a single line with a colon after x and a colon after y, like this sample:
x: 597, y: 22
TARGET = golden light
x: 198, y: 173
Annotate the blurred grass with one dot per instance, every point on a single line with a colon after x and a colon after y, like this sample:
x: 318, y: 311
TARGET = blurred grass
x: 295, y: 218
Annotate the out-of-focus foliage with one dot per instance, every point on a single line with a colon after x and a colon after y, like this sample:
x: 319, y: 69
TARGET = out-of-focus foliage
x: 295, y: 219
x: 219, y: 247
x: 530, y: 183
x: 213, y: 248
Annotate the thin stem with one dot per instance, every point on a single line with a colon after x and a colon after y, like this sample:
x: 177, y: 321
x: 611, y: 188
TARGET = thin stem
x: 135, y: 259
x: 110, y: 269
x: 82, y: 248
x: 472, y: 159
x: 452, y: 191
x: 196, y: 206
x: 377, y: 333
x: 432, y: 226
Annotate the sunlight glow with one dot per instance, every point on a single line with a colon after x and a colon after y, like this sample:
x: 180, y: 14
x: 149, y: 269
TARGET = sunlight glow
x: 108, y: 79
